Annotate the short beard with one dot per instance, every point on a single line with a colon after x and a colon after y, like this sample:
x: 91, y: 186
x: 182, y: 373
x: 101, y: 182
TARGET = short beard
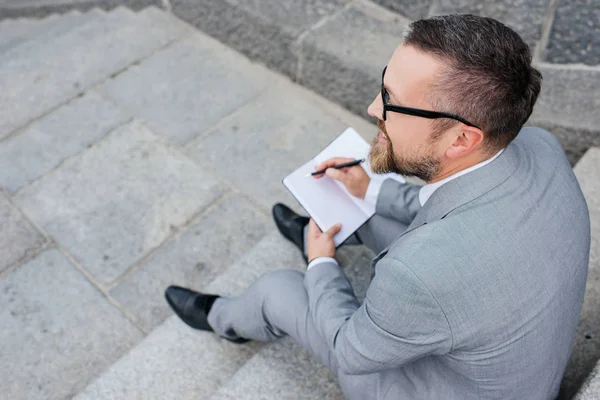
x: 383, y: 160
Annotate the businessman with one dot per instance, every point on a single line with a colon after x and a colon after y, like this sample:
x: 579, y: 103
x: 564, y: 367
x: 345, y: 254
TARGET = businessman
x: 480, y: 274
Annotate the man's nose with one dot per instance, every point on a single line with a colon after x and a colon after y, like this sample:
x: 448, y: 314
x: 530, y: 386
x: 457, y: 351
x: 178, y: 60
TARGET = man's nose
x: 376, y: 108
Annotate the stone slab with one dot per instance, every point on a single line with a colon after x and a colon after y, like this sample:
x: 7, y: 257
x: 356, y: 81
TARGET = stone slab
x: 169, y: 91
x: 413, y: 10
x: 333, y: 54
x: 57, y: 331
x: 255, y: 150
x: 282, y: 370
x: 12, y: 30
x: 586, y: 349
x: 119, y: 200
x: 575, y: 33
x: 175, y: 361
x: 47, y: 7
x: 526, y: 17
x: 18, y: 238
x: 54, y: 138
x: 261, y: 29
x: 83, y: 53
x: 591, y: 388
x: 567, y: 107
x: 207, y: 248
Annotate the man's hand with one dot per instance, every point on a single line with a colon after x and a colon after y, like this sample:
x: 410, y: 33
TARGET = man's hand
x: 355, y: 179
x: 321, y: 244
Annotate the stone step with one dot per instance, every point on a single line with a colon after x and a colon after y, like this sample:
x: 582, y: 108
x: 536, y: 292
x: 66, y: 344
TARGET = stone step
x: 283, y: 369
x: 77, y: 60
x: 175, y: 361
x: 51, y: 27
x: 586, y: 349
x: 323, y: 46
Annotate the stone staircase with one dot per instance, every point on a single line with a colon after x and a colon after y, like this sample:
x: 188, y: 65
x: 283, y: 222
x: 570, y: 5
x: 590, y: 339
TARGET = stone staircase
x: 137, y: 152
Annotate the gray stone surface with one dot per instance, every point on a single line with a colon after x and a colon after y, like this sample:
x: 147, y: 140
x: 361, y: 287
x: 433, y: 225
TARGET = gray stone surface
x: 334, y: 62
x: 255, y: 149
x: 42, y: 8
x: 173, y: 362
x: 282, y: 370
x: 57, y: 331
x: 180, y: 77
x: 526, y: 17
x: 591, y: 388
x: 13, y: 30
x: 411, y: 9
x: 586, y: 349
x: 568, y: 105
x: 264, y: 29
x: 83, y: 53
x: 575, y: 33
x: 119, y: 200
x: 46, y: 143
x: 18, y: 238
x: 208, y: 247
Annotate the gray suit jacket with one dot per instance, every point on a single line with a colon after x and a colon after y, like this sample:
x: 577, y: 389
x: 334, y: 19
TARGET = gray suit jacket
x: 480, y: 296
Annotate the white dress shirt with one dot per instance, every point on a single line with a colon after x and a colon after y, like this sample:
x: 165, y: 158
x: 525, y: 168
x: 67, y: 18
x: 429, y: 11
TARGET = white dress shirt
x: 424, y: 195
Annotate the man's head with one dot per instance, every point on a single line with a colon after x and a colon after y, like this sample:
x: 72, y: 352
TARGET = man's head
x: 474, y: 68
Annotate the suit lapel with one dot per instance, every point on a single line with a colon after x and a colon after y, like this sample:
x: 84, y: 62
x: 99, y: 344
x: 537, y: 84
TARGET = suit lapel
x: 462, y: 190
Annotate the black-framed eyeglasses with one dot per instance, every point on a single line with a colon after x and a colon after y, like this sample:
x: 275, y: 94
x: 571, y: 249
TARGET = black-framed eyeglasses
x: 385, y: 97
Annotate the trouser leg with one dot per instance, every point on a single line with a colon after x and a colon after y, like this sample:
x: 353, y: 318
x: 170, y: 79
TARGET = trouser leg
x: 274, y: 306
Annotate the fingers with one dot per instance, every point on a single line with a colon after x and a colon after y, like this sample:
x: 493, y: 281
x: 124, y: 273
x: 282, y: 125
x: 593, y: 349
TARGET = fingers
x: 331, y: 232
x: 332, y: 162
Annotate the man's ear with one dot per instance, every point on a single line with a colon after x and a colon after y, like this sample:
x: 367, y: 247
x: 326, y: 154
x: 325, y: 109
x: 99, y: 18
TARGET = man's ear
x: 467, y: 139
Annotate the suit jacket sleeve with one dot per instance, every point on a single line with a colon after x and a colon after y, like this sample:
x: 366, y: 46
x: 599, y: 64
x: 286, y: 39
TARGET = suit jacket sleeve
x: 399, y: 201
x: 398, y: 322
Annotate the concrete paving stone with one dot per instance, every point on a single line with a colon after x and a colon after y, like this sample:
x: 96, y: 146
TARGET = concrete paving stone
x: 281, y: 370
x: 54, y: 138
x: 28, y: 29
x: 114, y: 203
x: 177, y: 105
x: 334, y: 63
x: 19, y: 45
x: 586, y: 349
x: 575, y: 33
x: 173, y: 362
x: 34, y: 9
x: 266, y: 140
x: 57, y: 331
x: 208, y: 247
x: 13, y: 29
x: 18, y: 237
x: 83, y: 53
x: 591, y: 388
x: 413, y: 10
x: 567, y: 107
x: 261, y: 29
x: 526, y: 17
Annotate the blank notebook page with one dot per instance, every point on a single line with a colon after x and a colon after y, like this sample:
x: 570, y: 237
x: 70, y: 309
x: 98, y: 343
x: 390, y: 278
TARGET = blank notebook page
x: 327, y: 200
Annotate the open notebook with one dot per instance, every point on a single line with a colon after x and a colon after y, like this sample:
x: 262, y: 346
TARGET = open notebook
x: 326, y: 200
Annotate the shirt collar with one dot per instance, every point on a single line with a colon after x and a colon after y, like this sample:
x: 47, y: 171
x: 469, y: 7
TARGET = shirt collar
x: 427, y: 190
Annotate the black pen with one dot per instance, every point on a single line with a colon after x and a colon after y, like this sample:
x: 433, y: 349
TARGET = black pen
x: 344, y: 165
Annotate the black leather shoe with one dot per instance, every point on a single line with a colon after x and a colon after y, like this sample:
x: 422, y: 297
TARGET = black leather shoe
x: 291, y: 225
x: 193, y: 308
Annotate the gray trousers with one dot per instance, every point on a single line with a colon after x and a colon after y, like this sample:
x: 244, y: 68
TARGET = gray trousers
x: 276, y: 305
